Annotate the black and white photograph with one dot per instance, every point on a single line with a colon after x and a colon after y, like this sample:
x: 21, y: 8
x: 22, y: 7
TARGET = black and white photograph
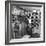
x: 25, y: 22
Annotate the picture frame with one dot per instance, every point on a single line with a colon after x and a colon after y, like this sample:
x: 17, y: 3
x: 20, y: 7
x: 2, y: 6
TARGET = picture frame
x: 22, y: 5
